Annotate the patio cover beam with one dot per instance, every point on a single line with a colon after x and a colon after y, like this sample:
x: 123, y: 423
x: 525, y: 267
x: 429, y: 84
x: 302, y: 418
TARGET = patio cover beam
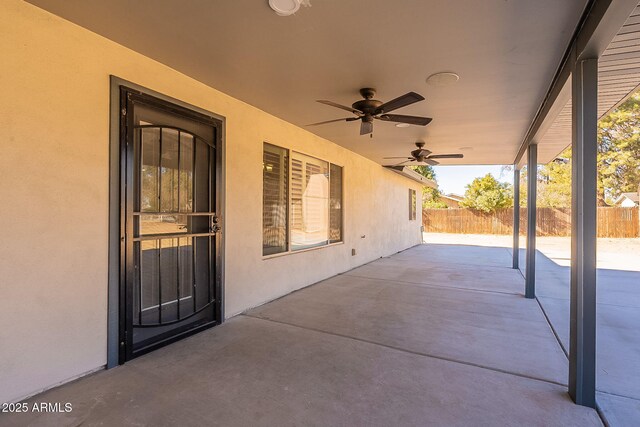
x: 582, y: 342
x: 532, y: 181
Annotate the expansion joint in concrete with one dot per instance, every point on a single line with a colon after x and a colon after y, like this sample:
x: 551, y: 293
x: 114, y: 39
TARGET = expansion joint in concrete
x: 404, y: 350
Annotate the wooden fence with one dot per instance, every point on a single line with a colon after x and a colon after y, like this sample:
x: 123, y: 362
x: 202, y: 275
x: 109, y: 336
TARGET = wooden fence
x: 612, y: 221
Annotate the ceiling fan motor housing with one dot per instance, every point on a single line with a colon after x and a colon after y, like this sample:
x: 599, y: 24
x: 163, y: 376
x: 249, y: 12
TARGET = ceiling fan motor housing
x: 420, y: 153
x: 367, y: 106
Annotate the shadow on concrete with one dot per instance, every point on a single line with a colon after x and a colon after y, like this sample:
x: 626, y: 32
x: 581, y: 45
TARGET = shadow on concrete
x: 618, y: 333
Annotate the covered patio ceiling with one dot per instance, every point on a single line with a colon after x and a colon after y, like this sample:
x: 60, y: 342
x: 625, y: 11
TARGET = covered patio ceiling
x: 506, y: 53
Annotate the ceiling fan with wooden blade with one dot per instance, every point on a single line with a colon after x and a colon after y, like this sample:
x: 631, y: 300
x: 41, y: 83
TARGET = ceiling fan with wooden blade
x: 412, y: 120
x: 368, y: 109
x: 422, y: 155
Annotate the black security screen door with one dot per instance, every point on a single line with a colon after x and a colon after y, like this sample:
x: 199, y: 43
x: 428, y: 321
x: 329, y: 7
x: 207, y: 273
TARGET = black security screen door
x: 171, y: 246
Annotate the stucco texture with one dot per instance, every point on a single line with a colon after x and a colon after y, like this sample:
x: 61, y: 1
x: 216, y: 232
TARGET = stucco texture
x: 54, y: 193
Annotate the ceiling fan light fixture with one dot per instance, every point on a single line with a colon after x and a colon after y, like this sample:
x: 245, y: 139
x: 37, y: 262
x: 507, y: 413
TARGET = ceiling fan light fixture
x: 402, y: 125
x: 442, y: 79
x: 284, y: 7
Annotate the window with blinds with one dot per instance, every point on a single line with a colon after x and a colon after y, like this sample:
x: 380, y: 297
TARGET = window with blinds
x: 309, y: 202
x: 412, y: 204
x: 311, y: 190
x: 275, y: 178
x: 335, y: 204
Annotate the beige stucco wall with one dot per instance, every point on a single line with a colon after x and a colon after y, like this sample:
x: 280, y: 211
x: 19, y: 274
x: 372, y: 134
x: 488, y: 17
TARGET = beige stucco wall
x: 54, y: 182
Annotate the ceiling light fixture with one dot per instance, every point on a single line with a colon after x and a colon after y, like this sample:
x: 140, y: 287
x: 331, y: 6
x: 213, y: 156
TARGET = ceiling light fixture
x: 285, y: 7
x: 442, y: 79
x: 402, y: 125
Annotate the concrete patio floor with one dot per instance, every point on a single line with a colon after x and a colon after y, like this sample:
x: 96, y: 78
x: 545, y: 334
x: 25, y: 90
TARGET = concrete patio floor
x: 618, y: 318
x: 435, y: 335
x: 618, y: 310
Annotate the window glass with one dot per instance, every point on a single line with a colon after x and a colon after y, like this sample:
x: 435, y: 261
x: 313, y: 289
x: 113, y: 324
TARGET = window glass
x: 309, y: 202
x: 335, y: 204
x: 150, y: 170
x: 185, y: 178
x: 275, y: 168
x: 169, y: 171
x: 412, y: 204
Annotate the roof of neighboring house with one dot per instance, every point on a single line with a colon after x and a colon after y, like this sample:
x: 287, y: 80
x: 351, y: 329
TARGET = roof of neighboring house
x: 452, y: 196
x: 451, y: 200
x: 634, y: 197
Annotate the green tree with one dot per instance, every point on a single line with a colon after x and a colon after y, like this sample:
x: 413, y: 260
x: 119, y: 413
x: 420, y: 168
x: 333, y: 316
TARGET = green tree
x: 618, y: 161
x: 426, y: 171
x: 619, y: 151
x: 431, y: 197
x: 487, y: 194
x: 554, y: 182
x: 508, y: 169
x: 523, y: 186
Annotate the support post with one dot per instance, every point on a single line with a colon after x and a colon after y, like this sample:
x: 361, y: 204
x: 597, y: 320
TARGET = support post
x: 516, y: 217
x: 532, y: 181
x: 582, y: 343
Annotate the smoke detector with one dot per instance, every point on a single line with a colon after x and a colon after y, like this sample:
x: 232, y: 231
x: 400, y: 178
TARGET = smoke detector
x: 443, y: 79
x: 285, y: 7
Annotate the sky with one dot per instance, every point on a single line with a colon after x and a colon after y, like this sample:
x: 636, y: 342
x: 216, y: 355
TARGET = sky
x: 453, y: 179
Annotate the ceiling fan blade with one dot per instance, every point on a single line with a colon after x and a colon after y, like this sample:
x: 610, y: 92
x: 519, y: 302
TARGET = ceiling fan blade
x: 366, y: 127
x: 431, y: 162
x: 348, y: 119
x: 446, y: 156
x: 408, y: 158
x: 399, y: 102
x: 343, y: 107
x: 412, y: 120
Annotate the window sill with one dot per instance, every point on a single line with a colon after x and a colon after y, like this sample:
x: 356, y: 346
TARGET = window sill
x: 290, y: 252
